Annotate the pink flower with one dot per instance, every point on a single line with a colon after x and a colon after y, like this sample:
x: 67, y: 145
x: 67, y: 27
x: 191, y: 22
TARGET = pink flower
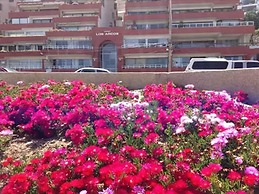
x: 250, y: 170
x: 151, y: 138
x: 239, y: 160
x: 6, y: 132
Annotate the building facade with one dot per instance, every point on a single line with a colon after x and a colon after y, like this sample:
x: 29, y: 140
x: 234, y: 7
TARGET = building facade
x: 122, y: 35
x: 249, y: 5
x: 6, y: 6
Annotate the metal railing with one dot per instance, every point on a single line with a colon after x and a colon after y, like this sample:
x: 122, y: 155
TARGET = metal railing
x: 191, y: 25
x: 134, y: 66
x: 219, y: 24
x: 144, y: 45
x: 49, y: 47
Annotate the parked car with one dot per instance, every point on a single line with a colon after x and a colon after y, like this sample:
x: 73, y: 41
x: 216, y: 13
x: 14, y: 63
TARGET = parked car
x: 206, y: 64
x: 92, y: 70
x: 6, y: 69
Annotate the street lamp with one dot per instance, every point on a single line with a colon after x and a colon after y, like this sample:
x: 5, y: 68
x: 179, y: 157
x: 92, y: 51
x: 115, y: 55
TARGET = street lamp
x: 170, y: 42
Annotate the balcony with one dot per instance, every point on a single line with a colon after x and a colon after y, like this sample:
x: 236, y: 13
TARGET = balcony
x: 137, y: 66
x: 33, y: 14
x: 84, y: 19
x: 88, y: 6
x: 207, y: 25
x: 6, y: 27
x: 67, y: 47
x: 62, y: 33
x: 143, y: 17
x: 211, y: 2
x: 135, y: 4
x: 213, y: 15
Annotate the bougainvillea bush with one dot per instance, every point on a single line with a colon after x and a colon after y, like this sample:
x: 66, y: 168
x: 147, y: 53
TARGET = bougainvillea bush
x: 160, y: 140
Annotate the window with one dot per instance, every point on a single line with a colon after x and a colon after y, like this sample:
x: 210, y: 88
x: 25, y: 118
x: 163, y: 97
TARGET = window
x: 25, y: 64
x: 238, y: 65
x: 210, y: 65
x: 19, y: 21
x: 146, y: 63
x: 11, y: 1
x: 0, y: 6
x: 71, y: 63
x: 252, y: 64
x: 88, y: 70
x: 181, y: 61
x: 40, y: 21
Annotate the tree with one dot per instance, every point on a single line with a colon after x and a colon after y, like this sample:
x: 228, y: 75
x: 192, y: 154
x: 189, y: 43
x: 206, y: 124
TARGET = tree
x: 253, y: 16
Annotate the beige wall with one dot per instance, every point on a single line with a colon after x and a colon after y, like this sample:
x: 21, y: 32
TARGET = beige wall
x: 230, y: 80
x: 6, y: 8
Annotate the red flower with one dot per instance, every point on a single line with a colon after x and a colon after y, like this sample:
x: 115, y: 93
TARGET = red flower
x: 43, y: 184
x: 131, y: 181
x: 18, y: 184
x: 76, y: 134
x: 215, y: 168
x: 86, y: 169
x: 206, y: 171
x: 179, y: 184
x: 234, y: 176
x: 104, y: 132
x: 151, y: 138
x: 250, y: 179
x: 157, y: 152
x: 77, y: 183
x: 7, y: 161
x: 141, y: 154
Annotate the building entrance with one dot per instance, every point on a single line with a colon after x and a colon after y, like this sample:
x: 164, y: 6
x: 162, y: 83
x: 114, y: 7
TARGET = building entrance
x: 109, y: 57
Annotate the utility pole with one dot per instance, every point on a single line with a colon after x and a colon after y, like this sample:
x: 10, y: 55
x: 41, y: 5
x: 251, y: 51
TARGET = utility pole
x: 170, y: 42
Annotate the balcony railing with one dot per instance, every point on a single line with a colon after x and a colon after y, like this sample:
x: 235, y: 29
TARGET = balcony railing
x: 185, y: 45
x: 206, y: 25
x: 63, y: 47
x: 142, y: 0
x: 189, y: 25
x: 134, y: 66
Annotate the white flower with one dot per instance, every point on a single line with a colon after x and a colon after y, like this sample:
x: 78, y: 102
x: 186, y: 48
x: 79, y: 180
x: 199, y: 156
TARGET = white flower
x: 83, y: 192
x: 44, y: 87
x: 189, y: 86
x: 19, y: 82
x: 180, y: 129
x: 185, y: 119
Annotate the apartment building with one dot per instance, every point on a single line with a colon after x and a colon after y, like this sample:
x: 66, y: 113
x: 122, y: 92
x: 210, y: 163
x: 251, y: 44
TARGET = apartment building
x: 249, y: 5
x: 6, y: 6
x: 122, y: 35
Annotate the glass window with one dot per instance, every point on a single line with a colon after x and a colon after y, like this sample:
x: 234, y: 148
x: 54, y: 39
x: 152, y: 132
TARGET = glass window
x: 210, y: 65
x: 146, y: 63
x: 238, y: 65
x: 15, y: 21
x: 25, y: 64
x: 71, y: 63
x: 88, y: 70
x: 23, y: 20
x: 181, y: 61
x: 252, y: 64
x: 109, y: 57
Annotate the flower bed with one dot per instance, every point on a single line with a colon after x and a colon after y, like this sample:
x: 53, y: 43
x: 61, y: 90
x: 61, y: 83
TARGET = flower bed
x: 163, y: 139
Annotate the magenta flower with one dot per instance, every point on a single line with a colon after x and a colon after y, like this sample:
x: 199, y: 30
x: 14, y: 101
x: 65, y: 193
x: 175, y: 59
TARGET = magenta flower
x: 239, y: 160
x: 138, y: 190
x: 250, y: 170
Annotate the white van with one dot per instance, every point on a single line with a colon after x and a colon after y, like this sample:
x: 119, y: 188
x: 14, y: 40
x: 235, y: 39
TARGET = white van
x: 92, y: 70
x: 206, y: 64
